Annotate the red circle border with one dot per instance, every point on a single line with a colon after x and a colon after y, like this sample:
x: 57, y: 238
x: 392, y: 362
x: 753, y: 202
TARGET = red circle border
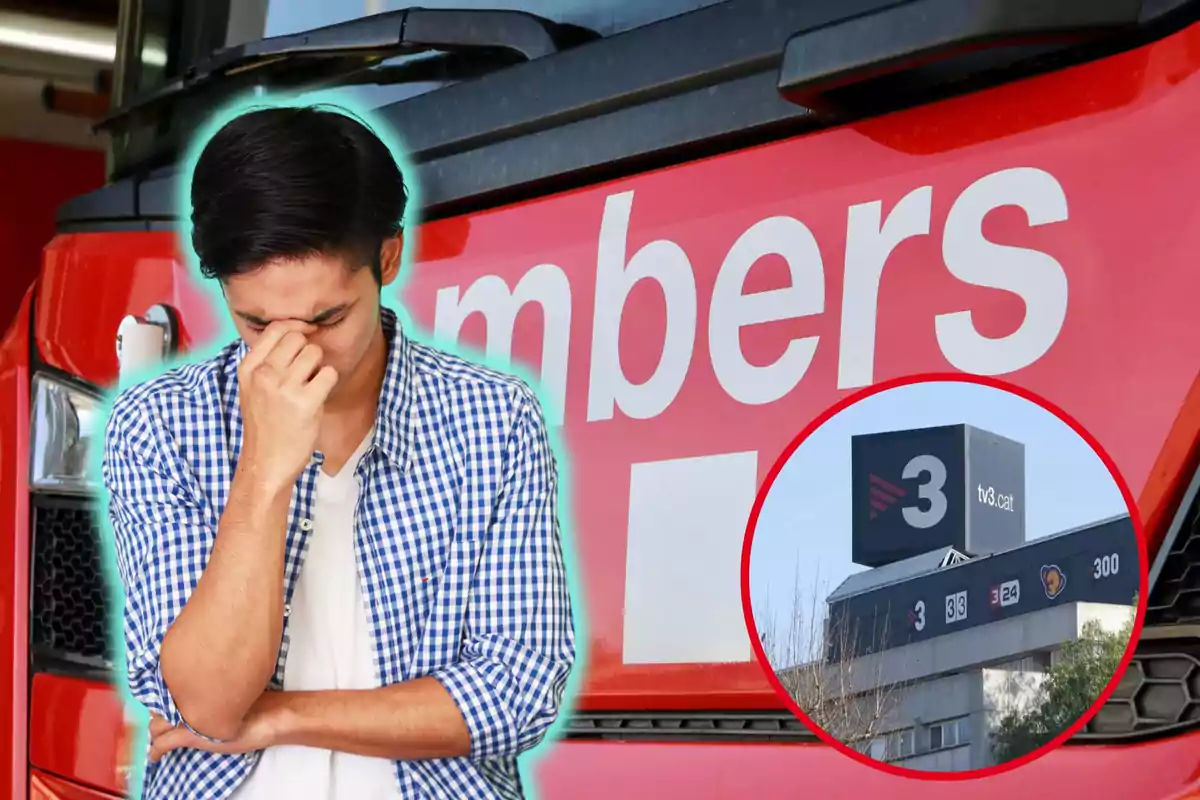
x: 895, y: 383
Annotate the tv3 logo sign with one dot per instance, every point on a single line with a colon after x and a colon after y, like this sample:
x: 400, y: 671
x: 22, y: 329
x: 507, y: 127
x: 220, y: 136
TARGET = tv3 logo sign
x: 956, y: 607
x: 1005, y: 595
x: 884, y: 494
x: 916, y: 615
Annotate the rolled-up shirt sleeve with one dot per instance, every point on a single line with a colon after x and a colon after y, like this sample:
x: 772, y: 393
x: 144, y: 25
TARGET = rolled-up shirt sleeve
x: 519, y: 647
x: 158, y: 529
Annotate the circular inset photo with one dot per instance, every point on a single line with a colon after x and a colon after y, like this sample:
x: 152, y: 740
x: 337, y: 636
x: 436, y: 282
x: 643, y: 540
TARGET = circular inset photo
x: 944, y: 577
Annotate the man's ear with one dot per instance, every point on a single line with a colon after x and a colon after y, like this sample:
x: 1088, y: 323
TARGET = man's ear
x: 389, y: 258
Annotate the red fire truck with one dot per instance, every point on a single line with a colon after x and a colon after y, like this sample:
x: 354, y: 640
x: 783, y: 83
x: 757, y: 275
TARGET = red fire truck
x: 698, y: 224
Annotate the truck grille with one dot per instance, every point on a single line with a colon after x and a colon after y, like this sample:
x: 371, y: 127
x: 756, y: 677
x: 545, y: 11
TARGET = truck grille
x: 1175, y: 599
x: 1160, y: 692
x: 685, y: 726
x: 68, y: 601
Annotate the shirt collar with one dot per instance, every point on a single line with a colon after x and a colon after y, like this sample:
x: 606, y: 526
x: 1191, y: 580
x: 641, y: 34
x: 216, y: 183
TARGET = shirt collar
x: 393, y: 416
x: 392, y: 420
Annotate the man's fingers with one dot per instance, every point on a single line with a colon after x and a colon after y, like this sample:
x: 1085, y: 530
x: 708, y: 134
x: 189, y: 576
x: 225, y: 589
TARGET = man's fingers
x: 307, y: 361
x: 168, y: 741
x: 285, y: 351
x: 322, y: 383
x: 270, y: 337
x: 158, y: 726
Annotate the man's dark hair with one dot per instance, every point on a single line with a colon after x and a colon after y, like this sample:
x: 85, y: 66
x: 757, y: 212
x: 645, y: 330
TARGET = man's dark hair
x: 293, y: 182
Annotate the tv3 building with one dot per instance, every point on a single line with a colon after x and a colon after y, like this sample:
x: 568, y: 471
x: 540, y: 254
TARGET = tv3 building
x: 955, y: 594
x: 946, y: 591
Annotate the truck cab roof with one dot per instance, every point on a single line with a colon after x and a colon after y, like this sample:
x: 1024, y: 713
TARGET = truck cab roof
x: 687, y: 86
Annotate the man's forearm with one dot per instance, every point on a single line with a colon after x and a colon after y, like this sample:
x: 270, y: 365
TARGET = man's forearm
x: 216, y: 668
x: 406, y: 721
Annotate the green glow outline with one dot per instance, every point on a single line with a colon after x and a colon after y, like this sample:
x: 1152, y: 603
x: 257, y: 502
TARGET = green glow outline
x: 343, y: 101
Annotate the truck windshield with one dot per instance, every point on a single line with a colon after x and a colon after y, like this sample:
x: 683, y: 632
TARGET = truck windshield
x: 605, y: 17
x: 164, y: 40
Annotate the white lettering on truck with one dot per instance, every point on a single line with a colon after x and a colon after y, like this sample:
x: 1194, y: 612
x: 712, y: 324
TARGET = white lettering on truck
x: 731, y: 310
x: 662, y: 261
x: 546, y: 285
x: 1036, y: 277
x: 869, y: 242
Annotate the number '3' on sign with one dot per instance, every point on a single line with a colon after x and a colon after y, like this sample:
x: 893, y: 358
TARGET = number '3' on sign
x: 931, y: 491
x: 956, y: 607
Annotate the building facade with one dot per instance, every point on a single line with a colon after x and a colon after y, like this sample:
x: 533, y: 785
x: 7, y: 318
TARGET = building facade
x: 944, y: 697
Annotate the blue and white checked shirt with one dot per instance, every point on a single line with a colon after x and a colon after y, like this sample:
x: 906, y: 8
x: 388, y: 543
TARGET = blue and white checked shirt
x: 456, y: 530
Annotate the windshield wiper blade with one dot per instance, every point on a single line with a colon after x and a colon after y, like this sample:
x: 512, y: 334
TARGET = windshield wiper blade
x: 358, y: 43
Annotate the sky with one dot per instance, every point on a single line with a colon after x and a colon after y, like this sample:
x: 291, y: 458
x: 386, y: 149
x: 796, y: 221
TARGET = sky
x: 801, y: 544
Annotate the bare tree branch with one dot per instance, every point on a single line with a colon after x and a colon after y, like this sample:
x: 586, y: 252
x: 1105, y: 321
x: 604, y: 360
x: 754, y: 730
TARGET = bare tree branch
x: 814, y: 657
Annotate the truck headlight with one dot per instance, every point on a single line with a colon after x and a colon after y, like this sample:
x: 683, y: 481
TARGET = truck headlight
x: 65, y: 420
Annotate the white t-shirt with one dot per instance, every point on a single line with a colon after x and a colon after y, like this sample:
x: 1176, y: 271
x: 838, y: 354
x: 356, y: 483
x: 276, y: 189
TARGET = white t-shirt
x: 330, y: 648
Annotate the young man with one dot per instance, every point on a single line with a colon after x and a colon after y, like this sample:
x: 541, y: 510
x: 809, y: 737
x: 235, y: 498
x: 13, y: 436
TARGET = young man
x: 339, y: 548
